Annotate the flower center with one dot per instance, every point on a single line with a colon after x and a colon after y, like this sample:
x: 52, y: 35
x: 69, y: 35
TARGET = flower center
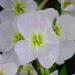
x: 37, y: 40
x: 20, y: 8
x: 17, y: 37
x: 67, y: 3
x: 57, y: 30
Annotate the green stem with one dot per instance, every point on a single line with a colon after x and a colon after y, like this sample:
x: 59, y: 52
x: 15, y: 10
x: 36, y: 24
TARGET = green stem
x: 40, y: 70
x: 19, y: 69
x: 41, y: 5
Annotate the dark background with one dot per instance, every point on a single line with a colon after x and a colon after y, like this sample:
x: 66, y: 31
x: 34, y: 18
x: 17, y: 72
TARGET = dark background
x: 70, y: 64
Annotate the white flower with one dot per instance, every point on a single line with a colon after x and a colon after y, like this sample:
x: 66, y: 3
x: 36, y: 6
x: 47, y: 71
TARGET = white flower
x: 67, y: 5
x: 15, y: 7
x: 40, y: 40
x: 67, y: 26
x: 28, y: 70
x: 66, y: 23
x: 50, y: 12
x: 54, y: 73
x: 7, y: 33
x: 8, y: 69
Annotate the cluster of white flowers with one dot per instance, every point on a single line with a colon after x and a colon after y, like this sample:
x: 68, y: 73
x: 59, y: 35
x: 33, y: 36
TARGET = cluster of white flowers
x: 27, y: 34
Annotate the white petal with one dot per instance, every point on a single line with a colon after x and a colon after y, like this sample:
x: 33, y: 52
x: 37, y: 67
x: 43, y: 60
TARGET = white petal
x: 9, y: 68
x: 67, y: 24
x: 10, y: 57
x: 67, y: 50
x: 61, y: 1
x: 54, y: 73
x: 33, y: 22
x: 7, y: 31
x: 6, y: 3
x: 31, y: 5
x: 6, y: 15
x: 52, y: 38
x: 24, y: 52
x: 26, y: 23
x: 60, y: 60
x: 70, y: 8
x: 51, y: 13
x: 1, y: 59
x: 48, y: 55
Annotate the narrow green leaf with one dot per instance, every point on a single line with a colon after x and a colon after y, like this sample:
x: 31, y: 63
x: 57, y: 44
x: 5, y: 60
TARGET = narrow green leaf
x: 52, y: 69
x: 63, y: 71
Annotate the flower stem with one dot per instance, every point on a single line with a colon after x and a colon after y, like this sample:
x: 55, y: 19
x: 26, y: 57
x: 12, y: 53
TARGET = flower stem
x: 19, y: 69
x: 39, y: 69
x: 42, y: 4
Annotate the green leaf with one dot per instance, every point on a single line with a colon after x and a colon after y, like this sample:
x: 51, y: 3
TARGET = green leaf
x: 44, y: 71
x: 52, y: 69
x: 63, y: 71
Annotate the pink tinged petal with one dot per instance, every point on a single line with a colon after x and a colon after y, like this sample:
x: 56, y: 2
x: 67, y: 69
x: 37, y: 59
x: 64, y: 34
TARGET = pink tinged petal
x: 48, y: 55
x: 25, y: 53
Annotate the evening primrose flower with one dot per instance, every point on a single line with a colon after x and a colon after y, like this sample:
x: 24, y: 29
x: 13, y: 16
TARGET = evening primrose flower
x: 66, y: 25
x: 40, y: 40
x: 14, y: 8
x: 8, y: 69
